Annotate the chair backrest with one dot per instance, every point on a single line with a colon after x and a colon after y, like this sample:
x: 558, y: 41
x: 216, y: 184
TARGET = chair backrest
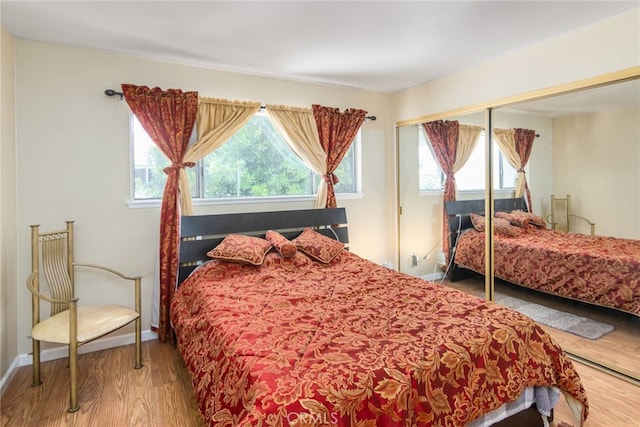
x: 562, y: 217
x: 560, y: 213
x: 52, y: 254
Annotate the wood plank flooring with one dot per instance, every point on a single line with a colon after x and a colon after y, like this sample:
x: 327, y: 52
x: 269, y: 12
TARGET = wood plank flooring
x: 619, y: 348
x: 112, y: 393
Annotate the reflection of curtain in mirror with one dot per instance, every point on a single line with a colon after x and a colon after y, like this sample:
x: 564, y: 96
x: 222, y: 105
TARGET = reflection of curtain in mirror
x: 516, y: 146
x: 298, y: 128
x: 443, y: 137
x: 524, y: 143
x: 467, y: 141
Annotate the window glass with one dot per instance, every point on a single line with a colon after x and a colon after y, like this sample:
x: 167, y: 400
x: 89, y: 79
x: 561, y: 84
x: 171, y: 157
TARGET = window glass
x: 430, y: 175
x: 255, y: 162
x: 471, y: 176
x: 148, y: 164
x: 509, y: 174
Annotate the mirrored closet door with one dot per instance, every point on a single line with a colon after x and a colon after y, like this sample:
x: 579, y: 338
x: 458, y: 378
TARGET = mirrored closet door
x: 587, y: 147
x: 420, y: 194
x: 587, y: 159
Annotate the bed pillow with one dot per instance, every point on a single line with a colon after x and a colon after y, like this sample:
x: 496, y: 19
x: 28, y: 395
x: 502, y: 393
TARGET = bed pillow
x: 534, y: 219
x: 318, y: 246
x: 285, y: 247
x: 241, y: 249
x: 477, y: 221
x: 516, y: 220
x: 500, y: 225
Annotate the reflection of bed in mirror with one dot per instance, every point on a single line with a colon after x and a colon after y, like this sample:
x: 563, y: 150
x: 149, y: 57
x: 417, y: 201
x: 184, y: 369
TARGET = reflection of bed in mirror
x: 598, y: 270
x: 345, y: 341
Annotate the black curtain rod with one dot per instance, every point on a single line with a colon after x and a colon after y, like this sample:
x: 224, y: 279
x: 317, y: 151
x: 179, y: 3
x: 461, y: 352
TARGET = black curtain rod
x: 111, y: 92
x: 420, y: 124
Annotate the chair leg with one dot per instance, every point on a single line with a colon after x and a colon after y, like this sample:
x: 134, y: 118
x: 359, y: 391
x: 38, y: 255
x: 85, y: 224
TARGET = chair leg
x: 138, y: 364
x: 73, y: 373
x: 36, y: 363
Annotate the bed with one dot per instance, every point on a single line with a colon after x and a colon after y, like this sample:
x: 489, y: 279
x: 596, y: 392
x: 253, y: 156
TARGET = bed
x: 343, y: 341
x: 598, y: 270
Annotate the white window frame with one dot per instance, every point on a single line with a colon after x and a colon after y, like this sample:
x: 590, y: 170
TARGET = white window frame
x: 199, y: 201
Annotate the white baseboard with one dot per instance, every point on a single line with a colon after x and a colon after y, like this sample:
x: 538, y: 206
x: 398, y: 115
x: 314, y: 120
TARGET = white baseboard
x: 63, y: 351
x: 8, y: 376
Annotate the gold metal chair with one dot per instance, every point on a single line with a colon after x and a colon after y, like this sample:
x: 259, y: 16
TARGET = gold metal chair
x: 560, y: 217
x: 52, y: 254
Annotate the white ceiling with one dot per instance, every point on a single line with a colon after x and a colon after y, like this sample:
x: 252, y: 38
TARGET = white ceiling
x: 382, y: 46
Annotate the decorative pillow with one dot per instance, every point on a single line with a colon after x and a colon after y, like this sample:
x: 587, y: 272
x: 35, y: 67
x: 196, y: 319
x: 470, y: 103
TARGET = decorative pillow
x: 500, y: 225
x: 504, y: 227
x: 285, y: 247
x: 477, y: 221
x: 241, y: 249
x: 296, y: 262
x: 534, y: 219
x: 318, y: 246
x: 516, y: 220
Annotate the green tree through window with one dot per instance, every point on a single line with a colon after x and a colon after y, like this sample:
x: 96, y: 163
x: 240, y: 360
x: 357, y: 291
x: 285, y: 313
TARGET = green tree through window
x: 255, y: 162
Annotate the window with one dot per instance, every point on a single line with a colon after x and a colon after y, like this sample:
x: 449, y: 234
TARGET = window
x: 255, y: 162
x: 471, y: 176
x: 430, y: 175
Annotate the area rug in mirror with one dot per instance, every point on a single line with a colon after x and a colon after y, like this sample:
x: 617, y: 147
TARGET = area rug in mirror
x: 563, y: 321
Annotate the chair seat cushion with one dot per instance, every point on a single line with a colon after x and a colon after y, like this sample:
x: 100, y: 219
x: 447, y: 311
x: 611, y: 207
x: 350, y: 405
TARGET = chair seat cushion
x: 93, y: 321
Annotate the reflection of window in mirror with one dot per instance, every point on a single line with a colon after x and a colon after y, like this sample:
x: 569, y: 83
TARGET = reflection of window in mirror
x: 430, y: 174
x: 471, y: 176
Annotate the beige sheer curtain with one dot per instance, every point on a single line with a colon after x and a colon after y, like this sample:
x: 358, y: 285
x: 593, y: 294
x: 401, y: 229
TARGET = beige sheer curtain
x: 505, y: 138
x: 298, y: 127
x: 217, y: 120
x: 467, y: 140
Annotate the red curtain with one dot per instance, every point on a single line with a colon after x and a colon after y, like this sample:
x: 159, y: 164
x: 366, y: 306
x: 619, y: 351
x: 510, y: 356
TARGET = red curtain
x: 168, y: 117
x: 443, y: 136
x: 336, y: 132
x: 524, y: 142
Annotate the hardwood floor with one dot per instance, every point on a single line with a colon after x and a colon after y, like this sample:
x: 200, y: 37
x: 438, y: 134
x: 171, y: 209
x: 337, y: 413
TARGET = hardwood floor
x: 619, y: 348
x: 612, y: 402
x: 112, y: 393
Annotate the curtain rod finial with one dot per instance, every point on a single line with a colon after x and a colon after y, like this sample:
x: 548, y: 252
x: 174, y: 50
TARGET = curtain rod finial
x: 371, y: 118
x: 111, y: 92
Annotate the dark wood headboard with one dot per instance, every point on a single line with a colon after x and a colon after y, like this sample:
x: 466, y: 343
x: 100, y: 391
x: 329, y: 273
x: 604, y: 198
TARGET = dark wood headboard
x: 458, y: 215
x: 201, y: 233
x: 466, y: 207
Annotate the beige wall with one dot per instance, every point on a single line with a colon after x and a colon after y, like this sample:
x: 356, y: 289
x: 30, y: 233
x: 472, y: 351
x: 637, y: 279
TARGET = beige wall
x: 595, y: 160
x: 606, y: 46
x: 8, y: 266
x: 73, y: 158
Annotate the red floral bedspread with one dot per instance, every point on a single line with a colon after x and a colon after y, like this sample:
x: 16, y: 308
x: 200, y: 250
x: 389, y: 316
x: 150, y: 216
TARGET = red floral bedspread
x: 296, y: 342
x: 596, y: 269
